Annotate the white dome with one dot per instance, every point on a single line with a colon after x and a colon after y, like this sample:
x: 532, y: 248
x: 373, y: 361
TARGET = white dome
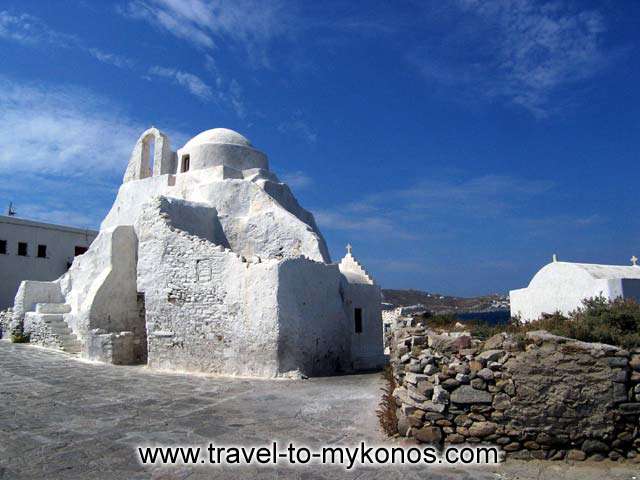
x: 218, y: 135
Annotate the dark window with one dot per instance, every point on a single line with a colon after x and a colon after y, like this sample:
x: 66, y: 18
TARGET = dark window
x: 22, y: 249
x: 185, y: 163
x: 42, y: 251
x: 80, y: 250
x: 3, y: 247
x: 357, y: 315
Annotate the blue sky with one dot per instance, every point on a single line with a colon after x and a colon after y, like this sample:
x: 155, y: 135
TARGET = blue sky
x: 456, y: 145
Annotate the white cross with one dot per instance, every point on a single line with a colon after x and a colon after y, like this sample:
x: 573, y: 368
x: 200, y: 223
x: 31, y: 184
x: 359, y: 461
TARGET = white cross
x: 634, y: 261
x: 349, y: 248
x: 555, y: 257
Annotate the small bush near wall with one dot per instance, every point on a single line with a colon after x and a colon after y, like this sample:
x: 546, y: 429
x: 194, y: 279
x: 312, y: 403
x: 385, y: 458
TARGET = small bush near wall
x: 20, y: 338
x: 615, y: 322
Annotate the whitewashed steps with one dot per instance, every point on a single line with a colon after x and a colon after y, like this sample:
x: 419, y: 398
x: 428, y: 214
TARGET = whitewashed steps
x: 52, y: 308
x: 53, y: 315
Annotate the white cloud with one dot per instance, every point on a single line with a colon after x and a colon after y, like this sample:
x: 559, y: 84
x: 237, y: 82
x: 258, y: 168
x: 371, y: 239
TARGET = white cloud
x: 64, y: 130
x: 30, y: 30
x: 119, y: 61
x: 296, y: 125
x: 297, y: 179
x: 27, y: 29
x: 192, y: 83
x: 250, y: 23
x: 519, y: 50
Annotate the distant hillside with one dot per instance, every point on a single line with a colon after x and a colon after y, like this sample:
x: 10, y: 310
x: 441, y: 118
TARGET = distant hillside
x: 436, y: 302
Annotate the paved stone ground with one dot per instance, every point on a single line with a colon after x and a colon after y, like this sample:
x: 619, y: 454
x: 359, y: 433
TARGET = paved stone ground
x: 63, y: 418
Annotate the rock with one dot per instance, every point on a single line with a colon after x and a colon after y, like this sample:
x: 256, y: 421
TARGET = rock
x: 446, y: 343
x: 576, y: 455
x: 425, y: 388
x: 625, y: 437
x: 434, y: 407
x: 501, y: 401
x: 415, y: 395
x: 440, y: 395
x: 503, y: 440
x: 495, y: 342
x: 617, y: 362
x: 478, y: 384
x: 594, y: 446
x: 634, y: 362
x: 413, y: 368
x: 475, y: 366
x: 454, y: 438
x: 414, y: 378
x: 511, y: 447
x: 630, y: 408
x: 433, y: 416
x: 485, y: 374
x: 494, y: 365
x: 450, y: 384
x: 468, y: 394
x: 432, y: 435
x: 462, y: 378
x: 555, y: 455
x: 491, y: 355
x: 613, y: 455
x: 430, y: 369
x: 403, y: 424
x: 463, y: 420
x: 482, y: 429
x: 531, y: 445
x: 596, y: 457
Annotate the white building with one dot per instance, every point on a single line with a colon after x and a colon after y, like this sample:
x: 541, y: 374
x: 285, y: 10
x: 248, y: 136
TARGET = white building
x: 207, y: 263
x: 36, y: 251
x: 561, y: 287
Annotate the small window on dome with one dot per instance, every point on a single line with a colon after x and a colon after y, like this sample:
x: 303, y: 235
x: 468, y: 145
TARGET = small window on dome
x: 185, y: 163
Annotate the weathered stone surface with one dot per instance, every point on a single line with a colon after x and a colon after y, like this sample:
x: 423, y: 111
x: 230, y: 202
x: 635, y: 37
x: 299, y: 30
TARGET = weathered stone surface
x: 468, y: 394
x: 414, y: 378
x: 491, y: 355
x: 630, y: 408
x: 594, y: 446
x: 482, y: 429
x: 501, y: 401
x: 440, y: 395
x: 479, y: 384
x: 485, y: 374
x: 576, y: 455
x: 432, y: 435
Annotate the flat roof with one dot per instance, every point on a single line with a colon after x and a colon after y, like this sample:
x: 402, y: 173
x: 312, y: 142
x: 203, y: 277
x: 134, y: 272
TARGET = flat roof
x: 49, y: 226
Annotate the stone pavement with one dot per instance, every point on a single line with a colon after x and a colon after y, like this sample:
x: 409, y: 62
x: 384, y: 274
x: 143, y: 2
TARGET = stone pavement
x: 61, y: 418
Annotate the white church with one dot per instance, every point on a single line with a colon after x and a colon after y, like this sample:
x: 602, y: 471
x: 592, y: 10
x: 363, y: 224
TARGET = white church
x: 207, y: 263
x: 561, y: 287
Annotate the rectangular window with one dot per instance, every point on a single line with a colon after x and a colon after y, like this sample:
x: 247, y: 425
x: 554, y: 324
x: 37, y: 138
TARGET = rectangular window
x: 185, y: 163
x: 80, y: 251
x: 22, y: 249
x: 186, y: 160
x: 42, y: 251
x: 3, y: 247
x: 357, y: 316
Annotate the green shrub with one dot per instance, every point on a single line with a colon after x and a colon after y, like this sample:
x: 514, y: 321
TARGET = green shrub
x: 616, y: 322
x: 19, y: 337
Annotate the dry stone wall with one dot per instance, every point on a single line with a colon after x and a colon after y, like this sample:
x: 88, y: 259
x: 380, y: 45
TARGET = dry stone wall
x: 536, y: 396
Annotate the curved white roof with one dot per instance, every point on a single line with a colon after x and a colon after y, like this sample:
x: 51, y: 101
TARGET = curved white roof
x: 609, y: 272
x: 218, y: 135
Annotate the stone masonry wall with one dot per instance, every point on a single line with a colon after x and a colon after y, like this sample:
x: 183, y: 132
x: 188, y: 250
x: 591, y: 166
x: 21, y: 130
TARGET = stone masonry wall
x: 5, y: 320
x: 536, y: 396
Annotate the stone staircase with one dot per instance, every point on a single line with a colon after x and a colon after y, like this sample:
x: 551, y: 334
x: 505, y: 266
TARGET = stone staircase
x: 52, y: 314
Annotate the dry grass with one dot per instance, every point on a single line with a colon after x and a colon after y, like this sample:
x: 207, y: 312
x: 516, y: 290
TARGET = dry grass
x: 386, y: 413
